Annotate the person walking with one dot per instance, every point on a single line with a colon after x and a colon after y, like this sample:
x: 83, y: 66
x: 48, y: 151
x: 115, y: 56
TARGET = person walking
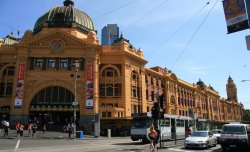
x: 21, y: 129
x: 34, y: 128
x: 18, y: 126
x: 152, y: 136
x: 6, y: 128
x: 44, y: 127
x: 30, y: 128
x: 69, y: 128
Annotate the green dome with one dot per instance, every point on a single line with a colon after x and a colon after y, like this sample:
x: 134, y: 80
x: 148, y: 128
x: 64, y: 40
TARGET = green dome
x: 63, y: 17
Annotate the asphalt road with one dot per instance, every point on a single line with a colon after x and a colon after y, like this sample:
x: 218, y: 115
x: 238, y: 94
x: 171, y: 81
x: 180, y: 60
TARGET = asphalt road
x: 59, y: 142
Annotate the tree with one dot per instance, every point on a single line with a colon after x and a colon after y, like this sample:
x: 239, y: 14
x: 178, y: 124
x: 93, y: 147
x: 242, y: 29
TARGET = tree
x: 246, y: 116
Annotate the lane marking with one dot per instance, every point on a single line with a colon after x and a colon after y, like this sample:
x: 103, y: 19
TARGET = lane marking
x: 17, y: 145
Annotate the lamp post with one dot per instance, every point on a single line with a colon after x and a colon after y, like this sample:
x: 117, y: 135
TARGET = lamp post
x: 75, y: 103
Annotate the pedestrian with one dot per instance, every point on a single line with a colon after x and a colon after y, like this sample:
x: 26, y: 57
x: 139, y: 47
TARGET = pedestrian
x: 189, y: 130
x: 152, y: 136
x: 6, y: 128
x: 34, y: 127
x: 44, y: 128
x: 69, y: 129
x: 21, y: 129
x: 29, y: 128
x: 18, y: 125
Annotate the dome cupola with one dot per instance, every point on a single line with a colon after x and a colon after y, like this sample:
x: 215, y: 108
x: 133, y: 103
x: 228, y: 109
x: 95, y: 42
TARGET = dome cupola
x: 66, y: 16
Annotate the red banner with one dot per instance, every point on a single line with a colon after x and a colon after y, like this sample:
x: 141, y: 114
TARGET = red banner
x: 19, y: 86
x: 89, y: 88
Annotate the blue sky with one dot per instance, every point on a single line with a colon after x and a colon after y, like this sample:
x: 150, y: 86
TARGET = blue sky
x: 180, y: 35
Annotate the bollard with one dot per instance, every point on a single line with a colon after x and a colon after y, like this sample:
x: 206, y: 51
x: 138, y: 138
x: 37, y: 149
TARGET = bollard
x: 109, y: 133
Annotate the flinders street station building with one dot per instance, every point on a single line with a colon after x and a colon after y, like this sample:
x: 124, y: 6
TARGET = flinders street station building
x: 59, y: 68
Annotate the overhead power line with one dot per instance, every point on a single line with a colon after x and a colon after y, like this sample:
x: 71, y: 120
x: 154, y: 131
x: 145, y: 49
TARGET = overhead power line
x: 194, y: 34
x: 115, y: 9
x: 178, y: 29
x: 12, y: 28
x: 147, y: 14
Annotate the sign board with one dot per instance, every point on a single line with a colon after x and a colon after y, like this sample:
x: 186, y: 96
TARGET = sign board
x: 89, y: 88
x: 236, y: 15
x: 248, y: 42
x: 19, y: 86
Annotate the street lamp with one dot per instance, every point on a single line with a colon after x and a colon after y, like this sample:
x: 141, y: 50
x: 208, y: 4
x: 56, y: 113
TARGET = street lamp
x: 244, y: 80
x: 75, y: 103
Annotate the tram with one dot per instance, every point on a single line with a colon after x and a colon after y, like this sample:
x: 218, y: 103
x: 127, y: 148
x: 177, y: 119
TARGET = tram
x: 171, y: 127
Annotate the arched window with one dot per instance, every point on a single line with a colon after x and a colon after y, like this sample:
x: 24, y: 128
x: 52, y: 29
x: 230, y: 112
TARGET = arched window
x: 109, y: 72
x: 109, y: 86
x: 6, y: 83
x: 53, y: 95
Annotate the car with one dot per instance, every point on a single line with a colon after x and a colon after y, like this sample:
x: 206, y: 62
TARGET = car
x: 200, y: 139
x: 235, y: 136
x: 217, y: 133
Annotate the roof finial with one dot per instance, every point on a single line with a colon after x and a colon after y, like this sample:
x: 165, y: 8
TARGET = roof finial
x: 68, y: 3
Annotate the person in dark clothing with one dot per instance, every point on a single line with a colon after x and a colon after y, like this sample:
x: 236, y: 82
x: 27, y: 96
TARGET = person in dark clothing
x: 34, y: 127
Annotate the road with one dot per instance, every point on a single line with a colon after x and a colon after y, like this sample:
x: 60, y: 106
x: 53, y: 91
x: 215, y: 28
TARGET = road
x: 54, y: 142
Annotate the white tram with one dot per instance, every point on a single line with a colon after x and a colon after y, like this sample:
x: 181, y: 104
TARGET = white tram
x: 171, y: 127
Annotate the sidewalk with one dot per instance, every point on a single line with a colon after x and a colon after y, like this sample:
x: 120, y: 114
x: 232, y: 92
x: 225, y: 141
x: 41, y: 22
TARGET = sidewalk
x: 39, y: 135
x: 49, y: 135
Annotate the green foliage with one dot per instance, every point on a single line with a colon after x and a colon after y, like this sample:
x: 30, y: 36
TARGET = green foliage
x: 246, y: 116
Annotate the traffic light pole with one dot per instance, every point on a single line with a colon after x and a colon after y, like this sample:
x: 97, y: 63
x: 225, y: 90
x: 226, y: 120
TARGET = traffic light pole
x: 158, y: 120
x: 76, y: 66
x: 156, y: 114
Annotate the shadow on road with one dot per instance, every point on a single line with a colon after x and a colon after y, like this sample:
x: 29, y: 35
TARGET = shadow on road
x: 129, y: 143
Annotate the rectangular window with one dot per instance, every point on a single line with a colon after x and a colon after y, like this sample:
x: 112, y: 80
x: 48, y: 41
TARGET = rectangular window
x: 10, y: 71
x: 109, y: 114
x: 102, y: 89
x: 39, y: 63
x: 103, y: 114
x: 109, y: 105
x: 109, y: 72
x: 51, y: 63
x: 165, y: 122
x: 152, y: 96
x: 63, y: 63
x: 147, y: 94
x: 134, y: 92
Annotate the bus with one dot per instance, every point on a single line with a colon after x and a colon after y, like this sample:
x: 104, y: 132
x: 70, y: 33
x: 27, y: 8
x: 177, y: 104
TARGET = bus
x: 171, y: 127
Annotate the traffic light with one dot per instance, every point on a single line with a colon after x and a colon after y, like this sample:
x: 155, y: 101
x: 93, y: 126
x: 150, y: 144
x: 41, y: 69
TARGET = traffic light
x: 162, y: 101
x: 155, y: 111
x: 162, y: 115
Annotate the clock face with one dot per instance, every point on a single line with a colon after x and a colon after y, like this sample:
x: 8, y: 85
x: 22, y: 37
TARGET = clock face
x: 57, y: 47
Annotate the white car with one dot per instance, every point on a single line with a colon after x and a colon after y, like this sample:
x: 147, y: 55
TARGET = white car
x: 217, y: 133
x: 200, y: 139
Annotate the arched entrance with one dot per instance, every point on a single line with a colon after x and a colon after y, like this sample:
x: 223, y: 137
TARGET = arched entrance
x: 53, y: 106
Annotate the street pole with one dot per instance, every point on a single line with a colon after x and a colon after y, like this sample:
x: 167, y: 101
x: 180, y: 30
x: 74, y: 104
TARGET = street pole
x: 76, y: 64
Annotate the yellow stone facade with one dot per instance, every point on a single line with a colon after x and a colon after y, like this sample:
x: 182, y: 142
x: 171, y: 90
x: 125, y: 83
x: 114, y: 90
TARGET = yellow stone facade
x: 122, y: 85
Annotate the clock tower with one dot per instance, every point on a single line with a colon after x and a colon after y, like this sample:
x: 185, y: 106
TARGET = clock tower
x: 231, y: 90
